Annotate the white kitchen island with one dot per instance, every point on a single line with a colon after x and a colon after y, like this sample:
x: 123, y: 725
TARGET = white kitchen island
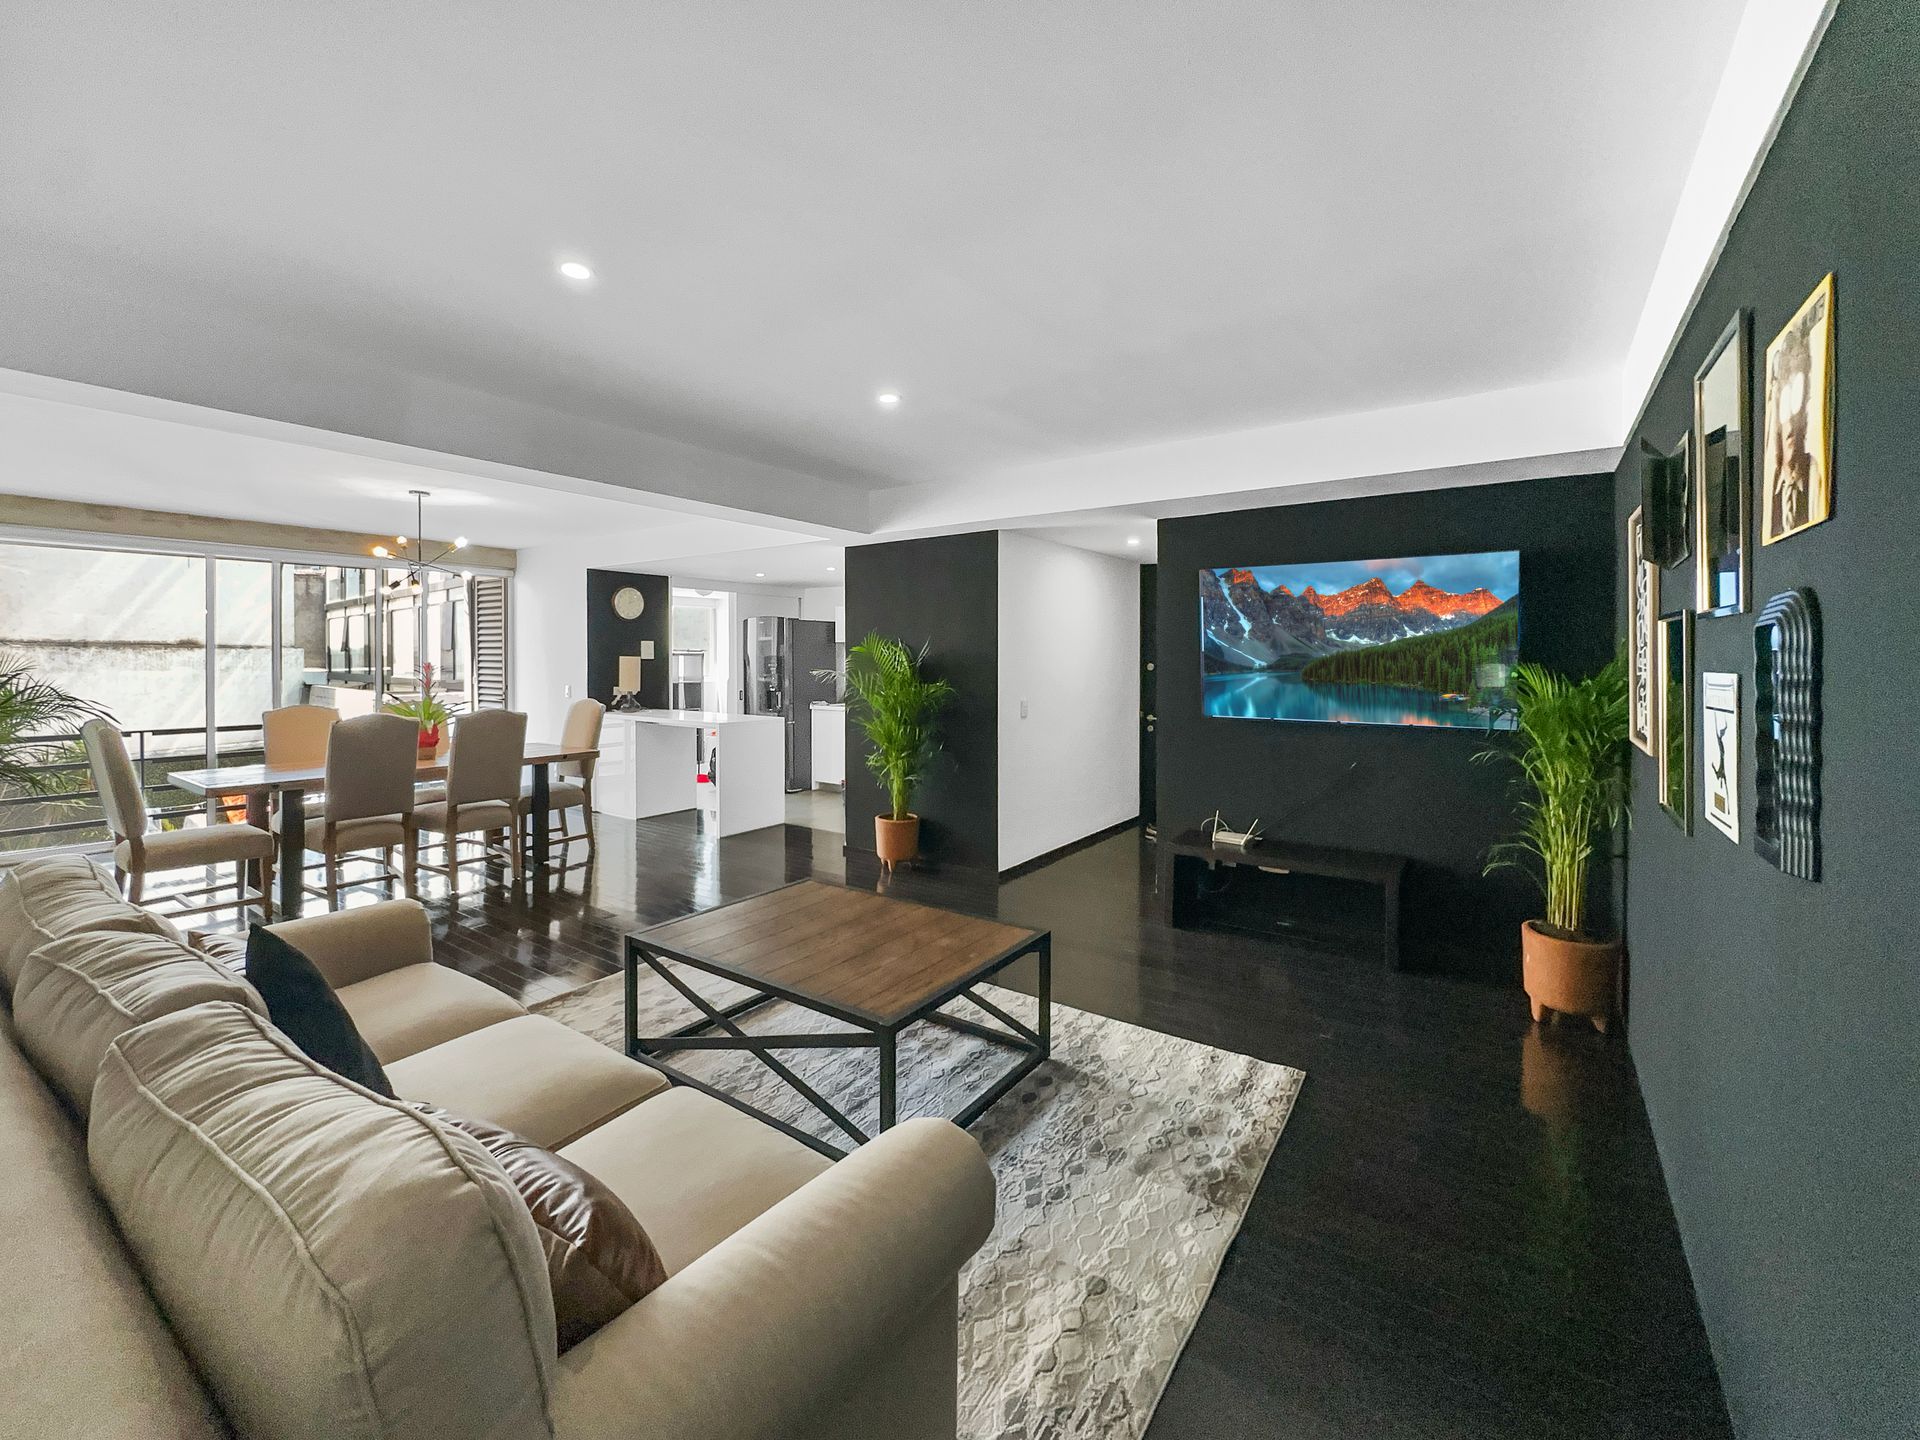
x: 652, y: 763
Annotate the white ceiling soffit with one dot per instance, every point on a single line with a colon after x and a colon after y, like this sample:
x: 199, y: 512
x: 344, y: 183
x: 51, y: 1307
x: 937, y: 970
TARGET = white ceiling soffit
x: 68, y: 441
x: 1060, y: 230
x: 1561, y: 428
x: 1771, y: 49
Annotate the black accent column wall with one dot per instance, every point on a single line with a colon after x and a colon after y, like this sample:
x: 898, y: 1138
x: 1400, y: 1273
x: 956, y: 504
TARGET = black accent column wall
x: 1774, y: 1021
x: 944, y: 593
x: 1411, y: 791
x: 609, y: 637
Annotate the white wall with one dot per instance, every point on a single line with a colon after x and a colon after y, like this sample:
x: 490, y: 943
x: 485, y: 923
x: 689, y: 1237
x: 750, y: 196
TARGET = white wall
x: 1070, y: 652
x: 547, y: 623
x: 821, y: 602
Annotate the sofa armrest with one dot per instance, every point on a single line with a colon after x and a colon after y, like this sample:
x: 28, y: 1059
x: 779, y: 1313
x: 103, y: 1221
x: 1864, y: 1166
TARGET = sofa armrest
x: 348, y: 946
x: 783, y: 1317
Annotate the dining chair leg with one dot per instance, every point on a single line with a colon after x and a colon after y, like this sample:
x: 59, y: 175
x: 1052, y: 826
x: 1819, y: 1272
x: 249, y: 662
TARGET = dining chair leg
x: 386, y: 864
x: 333, y: 881
x: 586, y: 821
x: 266, y: 889
x: 411, y: 851
x: 135, y: 882
x: 515, y: 852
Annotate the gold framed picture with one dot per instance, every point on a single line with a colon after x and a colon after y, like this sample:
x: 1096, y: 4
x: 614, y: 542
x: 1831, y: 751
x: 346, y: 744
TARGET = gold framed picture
x: 1796, y: 449
x: 1643, y: 614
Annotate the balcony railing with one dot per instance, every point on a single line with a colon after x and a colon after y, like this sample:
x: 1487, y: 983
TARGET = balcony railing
x: 66, y: 817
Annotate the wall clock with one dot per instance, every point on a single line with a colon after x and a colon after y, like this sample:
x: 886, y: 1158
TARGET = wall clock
x: 628, y: 603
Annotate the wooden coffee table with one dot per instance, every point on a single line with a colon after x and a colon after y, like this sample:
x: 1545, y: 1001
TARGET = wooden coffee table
x: 876, y: 963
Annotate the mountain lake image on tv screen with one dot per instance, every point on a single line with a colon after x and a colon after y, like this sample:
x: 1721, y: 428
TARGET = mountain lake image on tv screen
x: 1425, y: 641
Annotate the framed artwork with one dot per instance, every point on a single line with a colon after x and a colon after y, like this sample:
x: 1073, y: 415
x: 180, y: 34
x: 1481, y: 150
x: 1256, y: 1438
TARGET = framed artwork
x: 1676, y: 717
x: 1666, y: 500
x: 1720, y: 751
x: 1643, y: 611
x: 1796, y: 489
x: 1722, y: 427
x: 1786, y: 733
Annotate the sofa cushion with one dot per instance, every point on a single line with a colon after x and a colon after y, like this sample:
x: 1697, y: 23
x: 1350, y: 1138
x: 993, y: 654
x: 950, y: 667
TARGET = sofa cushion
x: 301, y: 1003
x: 76, y: 995
x: 56, y: 895
x: 337, y: 1265
x: 530, y: 1074
x: 416, y: 1007
x: 693, y: 1170
x: 599, y: 1259
x: 87, y: 1354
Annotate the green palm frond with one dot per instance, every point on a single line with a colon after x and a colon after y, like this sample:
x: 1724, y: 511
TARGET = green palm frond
x: 898, y: 708
x: 1570, y: 749
x: 30, y: 710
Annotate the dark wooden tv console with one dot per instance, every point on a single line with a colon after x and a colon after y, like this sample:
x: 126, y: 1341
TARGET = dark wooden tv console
x: 1193, y: 846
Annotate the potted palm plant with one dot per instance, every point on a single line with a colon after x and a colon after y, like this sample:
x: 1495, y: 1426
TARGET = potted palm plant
x: 1571, y: 751
x: 897, y: 707
x: 427, y: 709
x: 32, y: 709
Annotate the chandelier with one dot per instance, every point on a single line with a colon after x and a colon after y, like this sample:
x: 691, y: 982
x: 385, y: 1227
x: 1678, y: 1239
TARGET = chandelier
x: 419, y: 565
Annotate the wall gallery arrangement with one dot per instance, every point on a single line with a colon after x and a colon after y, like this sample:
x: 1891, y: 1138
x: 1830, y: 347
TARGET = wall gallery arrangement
x: 1697, y: 505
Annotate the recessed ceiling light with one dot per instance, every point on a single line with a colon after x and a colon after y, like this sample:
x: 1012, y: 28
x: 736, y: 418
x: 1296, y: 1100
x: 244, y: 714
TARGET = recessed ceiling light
x: 887, y: 400
x: 759, y: 574
x: 574, y: 270
x: 829, y: 569
x: 1133, y: 539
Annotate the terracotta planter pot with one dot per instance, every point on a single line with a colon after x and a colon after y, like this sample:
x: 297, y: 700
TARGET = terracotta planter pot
x: 1575, y: 977
x: 896, y: 840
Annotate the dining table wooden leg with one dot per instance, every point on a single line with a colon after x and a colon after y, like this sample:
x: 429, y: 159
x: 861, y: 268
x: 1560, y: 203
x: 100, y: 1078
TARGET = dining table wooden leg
x: 293, y: 851
x: 538, y: 838
x: 257, y: 817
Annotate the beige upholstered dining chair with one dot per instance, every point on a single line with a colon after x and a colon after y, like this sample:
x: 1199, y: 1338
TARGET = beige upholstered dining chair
x: 139, y: 851
x: 483, y: 790
x: 573, y: 779
x: 371, y: 761
x: 296, y: 735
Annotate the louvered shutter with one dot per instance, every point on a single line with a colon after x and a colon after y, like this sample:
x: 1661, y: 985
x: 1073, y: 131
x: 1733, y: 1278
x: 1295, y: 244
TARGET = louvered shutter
x: 489, y: 610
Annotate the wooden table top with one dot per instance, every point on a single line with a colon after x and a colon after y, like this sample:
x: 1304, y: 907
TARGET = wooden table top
x: 880, y: 959
x: 266, y: 779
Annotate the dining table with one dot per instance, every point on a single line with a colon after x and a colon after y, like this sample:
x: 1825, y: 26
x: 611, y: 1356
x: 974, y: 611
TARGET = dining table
x: 258, y: 784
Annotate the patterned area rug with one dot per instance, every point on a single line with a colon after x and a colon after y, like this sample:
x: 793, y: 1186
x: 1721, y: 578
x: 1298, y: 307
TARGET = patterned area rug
x: 1125, y: 1166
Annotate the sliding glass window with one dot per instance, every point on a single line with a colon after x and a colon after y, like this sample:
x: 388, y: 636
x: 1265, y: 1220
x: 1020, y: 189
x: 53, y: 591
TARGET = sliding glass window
x: 185, y: 652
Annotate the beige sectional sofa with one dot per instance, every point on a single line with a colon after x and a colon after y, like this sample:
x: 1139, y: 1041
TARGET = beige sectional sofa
x: 203, y: 1233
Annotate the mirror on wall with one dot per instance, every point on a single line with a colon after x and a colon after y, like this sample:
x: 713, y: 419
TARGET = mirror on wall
x: 1676, y: 717
x: 1666, y: 502
x: 1722, y: 425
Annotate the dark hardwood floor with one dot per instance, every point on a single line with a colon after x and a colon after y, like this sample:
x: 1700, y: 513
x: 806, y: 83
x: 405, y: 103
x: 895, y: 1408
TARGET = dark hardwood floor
x: 1463, y: 1232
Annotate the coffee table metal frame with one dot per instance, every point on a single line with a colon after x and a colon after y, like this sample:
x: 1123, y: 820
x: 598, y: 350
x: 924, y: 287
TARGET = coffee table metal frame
x: 1032, y: 1043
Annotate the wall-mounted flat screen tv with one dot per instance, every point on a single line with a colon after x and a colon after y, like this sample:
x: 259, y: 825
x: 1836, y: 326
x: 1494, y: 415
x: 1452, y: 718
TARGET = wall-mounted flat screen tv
x: 1423, y: 641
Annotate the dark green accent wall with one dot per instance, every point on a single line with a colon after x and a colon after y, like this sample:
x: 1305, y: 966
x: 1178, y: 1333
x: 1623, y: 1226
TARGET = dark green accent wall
x: 1775, y: 1023
x: 943, y: 593
x: 1411, y: 791
x: 609, y: 637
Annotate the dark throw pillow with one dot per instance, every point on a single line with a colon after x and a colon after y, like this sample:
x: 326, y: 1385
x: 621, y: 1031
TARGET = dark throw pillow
x: 599, y: 1258
x: 304, y: 1008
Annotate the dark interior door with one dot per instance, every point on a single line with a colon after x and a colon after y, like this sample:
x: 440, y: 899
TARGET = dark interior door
x: 1149, y: 688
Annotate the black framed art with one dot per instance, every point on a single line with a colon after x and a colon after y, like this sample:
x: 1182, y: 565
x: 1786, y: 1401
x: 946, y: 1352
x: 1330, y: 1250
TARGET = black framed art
x: 1786, y: 733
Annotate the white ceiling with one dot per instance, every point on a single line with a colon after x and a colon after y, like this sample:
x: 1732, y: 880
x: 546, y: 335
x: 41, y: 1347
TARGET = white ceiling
x: 1058, y: 230
x: 96, y: 456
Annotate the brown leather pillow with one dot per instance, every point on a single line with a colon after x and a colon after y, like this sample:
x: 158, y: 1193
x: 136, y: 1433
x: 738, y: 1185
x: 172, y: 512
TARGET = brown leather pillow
x: 599, y: 1258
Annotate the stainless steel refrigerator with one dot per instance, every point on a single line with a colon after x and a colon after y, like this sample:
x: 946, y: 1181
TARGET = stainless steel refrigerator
x: 782, y: 658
